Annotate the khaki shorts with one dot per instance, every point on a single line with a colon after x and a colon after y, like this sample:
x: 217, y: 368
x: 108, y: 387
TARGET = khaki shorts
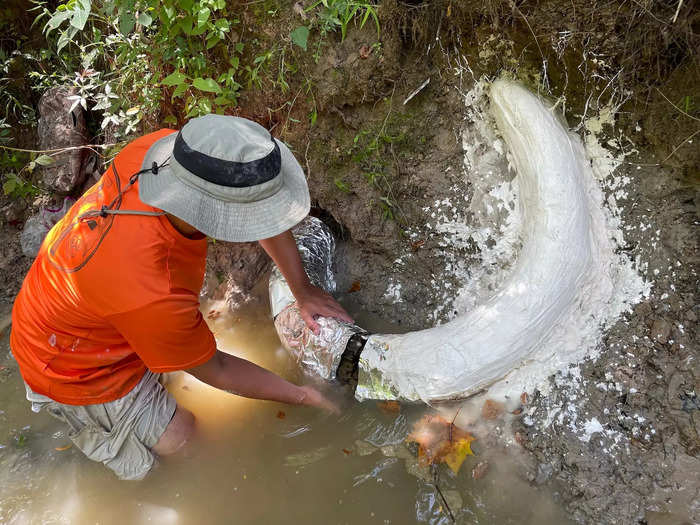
x: 120, y: 433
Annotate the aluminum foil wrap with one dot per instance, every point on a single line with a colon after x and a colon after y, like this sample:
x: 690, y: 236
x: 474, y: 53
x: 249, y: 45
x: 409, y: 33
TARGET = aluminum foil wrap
x: 318, y: 354
x: 316, y: 246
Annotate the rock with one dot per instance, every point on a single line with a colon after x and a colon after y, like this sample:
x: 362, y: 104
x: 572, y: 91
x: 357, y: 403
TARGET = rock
x: 37, y: 226
x: 491, y: 409
x: 691, y: 316
x: 660, y: 330
x: 61, y: 128
x: 544, y: 472
x: 364, y: 449
x: 480, y: 470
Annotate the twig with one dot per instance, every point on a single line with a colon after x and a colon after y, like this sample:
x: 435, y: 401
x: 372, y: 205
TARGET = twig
x: 678, y: 10
x: 436, y: 480
x: 680, y: 145
x: 677, y: 108
x: 62, y: 150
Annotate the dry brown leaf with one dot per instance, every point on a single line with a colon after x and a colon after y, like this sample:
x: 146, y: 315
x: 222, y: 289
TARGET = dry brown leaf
x: 491, y: 409
x: 389, y: 407
x: 441, y: 441
x: 365, y: 51
x: 523, y: 398
x: 281, y: 414
x: 347, y: 451
x: 480, y: 470
x: 355, y: 287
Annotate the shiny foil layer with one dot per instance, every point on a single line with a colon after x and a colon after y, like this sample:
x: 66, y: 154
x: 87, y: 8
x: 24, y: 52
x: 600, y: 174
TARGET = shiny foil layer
x: 318, y: 354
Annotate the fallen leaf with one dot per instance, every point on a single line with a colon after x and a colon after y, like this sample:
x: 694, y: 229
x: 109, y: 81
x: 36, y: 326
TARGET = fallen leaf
x: 355, y: 287
x: 441, y: 441
x: 517, y: 411
x: 281, y: 415
x: 389, y: 407
x: 61, y: 449
x: 415, y: 245
x: 213, y: 314
x: 480, y: 470
x: 523, y: 398
x: 365, y: 51
x: 491, y: 409
x: 457, y: 453
x: 347, y: 452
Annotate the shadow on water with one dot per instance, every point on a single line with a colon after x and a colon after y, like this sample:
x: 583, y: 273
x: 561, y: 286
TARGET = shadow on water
x: 252, y: 462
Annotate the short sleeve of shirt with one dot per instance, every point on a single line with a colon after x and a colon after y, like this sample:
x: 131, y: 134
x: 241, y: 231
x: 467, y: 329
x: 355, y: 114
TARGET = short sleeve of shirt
x: 169, y: 334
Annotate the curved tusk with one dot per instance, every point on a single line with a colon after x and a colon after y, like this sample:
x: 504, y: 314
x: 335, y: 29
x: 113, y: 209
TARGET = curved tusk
x: 478, y: 348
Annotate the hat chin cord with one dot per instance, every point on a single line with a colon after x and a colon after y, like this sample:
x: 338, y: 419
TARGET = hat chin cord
x: 113, y: 207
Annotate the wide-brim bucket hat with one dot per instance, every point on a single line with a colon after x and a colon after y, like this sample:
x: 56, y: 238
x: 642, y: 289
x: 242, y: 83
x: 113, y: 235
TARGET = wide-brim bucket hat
x: 227, y: 177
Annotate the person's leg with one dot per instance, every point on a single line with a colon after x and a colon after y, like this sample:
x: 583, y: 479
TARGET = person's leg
x: 177, y: 433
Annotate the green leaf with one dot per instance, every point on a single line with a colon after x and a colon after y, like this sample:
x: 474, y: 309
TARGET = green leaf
x: 212, y: 40
x: 170, y: 119
x: 222, y: 24
x: 203, y: 16
x: 44, y: 160
x: 145, y: 19
x: 179, y: 90
x: 9, y: 186
x: 127, y: 22
x: 81, y: 12
x: 239, y: 47
x: 174, y: 79
x: 300, y: 36
x: 206, y: 84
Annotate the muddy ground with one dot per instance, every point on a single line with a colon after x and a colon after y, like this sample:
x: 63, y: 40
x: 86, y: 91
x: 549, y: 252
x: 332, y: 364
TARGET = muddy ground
x: 374, y: 163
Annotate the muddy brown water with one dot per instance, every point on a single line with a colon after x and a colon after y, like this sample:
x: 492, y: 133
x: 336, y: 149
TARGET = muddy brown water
x: 252, y: 462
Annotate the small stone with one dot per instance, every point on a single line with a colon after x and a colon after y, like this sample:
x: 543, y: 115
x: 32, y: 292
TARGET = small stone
x: 364, y: 449
x: 660, y: 330
x: 544, y: 472
x: 691, y: 316
x: 491, y: 409
x: 480, y: 470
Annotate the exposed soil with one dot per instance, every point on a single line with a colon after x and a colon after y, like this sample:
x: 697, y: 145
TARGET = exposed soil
x: 374, y: 163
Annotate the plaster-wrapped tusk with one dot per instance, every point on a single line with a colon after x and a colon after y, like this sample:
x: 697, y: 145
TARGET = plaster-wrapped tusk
x: 481, y: 346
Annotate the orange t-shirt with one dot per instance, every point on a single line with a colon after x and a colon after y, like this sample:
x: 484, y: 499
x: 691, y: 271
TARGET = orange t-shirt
x: 108, y: 297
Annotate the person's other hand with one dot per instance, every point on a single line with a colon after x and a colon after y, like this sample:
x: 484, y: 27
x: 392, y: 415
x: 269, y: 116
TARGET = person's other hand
x: 314, y: 302
x: 314, y: 398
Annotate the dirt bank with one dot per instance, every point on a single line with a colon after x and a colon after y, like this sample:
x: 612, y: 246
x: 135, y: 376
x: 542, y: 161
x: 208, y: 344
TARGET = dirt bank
x: 381, y: 156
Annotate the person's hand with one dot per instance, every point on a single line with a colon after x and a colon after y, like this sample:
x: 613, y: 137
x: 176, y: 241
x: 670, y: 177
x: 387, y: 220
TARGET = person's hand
x: 314, y: 398
x: 314, y: 302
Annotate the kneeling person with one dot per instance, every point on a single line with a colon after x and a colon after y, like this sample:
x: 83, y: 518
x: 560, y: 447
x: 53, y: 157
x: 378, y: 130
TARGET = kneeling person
x: 111, y: 301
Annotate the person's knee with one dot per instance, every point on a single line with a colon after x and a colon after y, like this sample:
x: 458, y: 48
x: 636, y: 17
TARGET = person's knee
x: 177, y: 433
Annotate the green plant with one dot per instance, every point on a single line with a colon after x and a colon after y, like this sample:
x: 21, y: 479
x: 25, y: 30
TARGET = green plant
x: 339, y: 13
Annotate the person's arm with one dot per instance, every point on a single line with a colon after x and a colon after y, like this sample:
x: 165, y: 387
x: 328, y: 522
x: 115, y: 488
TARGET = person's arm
x: 243, y: 378
x: 312, y: 301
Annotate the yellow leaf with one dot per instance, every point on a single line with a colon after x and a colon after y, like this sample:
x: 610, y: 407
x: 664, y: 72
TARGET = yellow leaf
x: 458, y: 452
